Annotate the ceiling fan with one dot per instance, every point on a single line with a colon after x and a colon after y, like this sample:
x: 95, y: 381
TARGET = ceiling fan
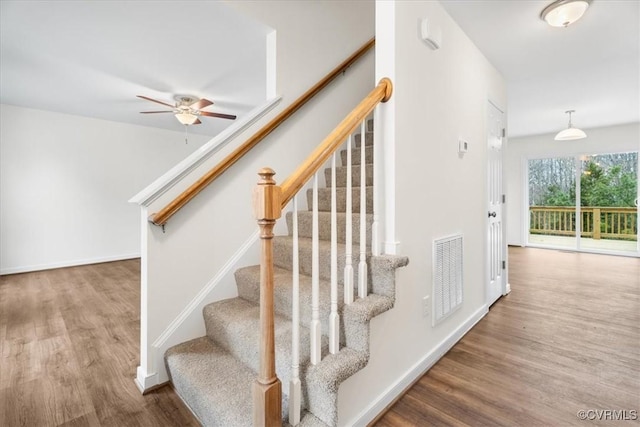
x: 187, y: 109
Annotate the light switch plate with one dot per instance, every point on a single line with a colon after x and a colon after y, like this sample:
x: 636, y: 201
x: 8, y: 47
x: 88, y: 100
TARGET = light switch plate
x: 463, y: 146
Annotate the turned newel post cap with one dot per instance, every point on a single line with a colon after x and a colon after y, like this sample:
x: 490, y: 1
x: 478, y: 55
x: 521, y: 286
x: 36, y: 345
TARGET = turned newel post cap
x: 267, y: 197
x: 266, y: 176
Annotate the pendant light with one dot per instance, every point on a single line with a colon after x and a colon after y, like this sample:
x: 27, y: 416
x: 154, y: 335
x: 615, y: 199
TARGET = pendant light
x: 563, y: 13
x: 570, y: 133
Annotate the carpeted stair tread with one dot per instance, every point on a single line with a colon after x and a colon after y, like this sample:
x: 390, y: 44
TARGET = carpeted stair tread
x: 283, y: 257
x: 369, y: 125
x: 354, y: 318
x: 233, y: 324
x: 355, y: 155
x: 305, y: 225
x: 248, y: 281
x: 368, y: 139
x: 325, y: 378
x: 324, y: 199
x: 341, y: 176
x: 214, y: 384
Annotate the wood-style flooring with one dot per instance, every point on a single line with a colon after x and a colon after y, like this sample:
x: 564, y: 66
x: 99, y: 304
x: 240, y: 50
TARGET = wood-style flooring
x: 566, y: 339
x: 69, y: 347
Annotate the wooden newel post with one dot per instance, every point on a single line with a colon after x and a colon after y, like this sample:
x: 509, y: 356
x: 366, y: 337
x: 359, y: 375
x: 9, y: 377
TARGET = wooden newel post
x: 267, y: 389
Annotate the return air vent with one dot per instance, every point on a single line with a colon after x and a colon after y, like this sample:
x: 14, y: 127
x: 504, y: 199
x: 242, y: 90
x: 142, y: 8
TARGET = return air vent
x: 447, y: 277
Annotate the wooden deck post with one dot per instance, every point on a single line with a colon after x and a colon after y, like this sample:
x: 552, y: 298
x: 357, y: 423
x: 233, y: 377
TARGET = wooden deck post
x: 596, y: 223
x: 267, y: 389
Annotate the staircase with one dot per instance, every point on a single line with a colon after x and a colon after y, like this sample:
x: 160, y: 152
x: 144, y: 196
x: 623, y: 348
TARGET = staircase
x: 214, y: 374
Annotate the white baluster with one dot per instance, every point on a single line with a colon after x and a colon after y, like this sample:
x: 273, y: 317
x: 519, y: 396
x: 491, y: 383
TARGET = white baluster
x: 362, y: 266
x: 377, y: 186
x: 315, y: 280
x: 348, y: 262
x: 334, y: 319
x: 295, y: 392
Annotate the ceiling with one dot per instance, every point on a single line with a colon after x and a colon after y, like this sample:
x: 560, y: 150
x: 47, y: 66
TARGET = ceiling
x: 91, y: 58
x: 592, y: 66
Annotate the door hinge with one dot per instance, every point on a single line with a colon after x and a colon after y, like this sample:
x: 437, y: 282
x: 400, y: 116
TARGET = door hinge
x: 504, y: 132
x: 504, y: 265
x: 504, y: 198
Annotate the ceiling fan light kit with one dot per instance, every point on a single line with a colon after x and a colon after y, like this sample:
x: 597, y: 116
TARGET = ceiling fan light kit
x: 570, y: 133
x: 562, y: 13
x: 186, y: 118
x: 187, y: 109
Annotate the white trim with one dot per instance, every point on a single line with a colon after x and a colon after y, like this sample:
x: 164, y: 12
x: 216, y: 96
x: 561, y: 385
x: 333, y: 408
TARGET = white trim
x: 384, y: 127
x: 271, y: 65
x: 145, y: 381
x: 524, y: 203
x: 417, y: 370
x: 182, y: 169
x: 71, y: 263
x: 200, y: 297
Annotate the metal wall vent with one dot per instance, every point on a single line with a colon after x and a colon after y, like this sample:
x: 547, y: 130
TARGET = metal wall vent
x: 447, y: 277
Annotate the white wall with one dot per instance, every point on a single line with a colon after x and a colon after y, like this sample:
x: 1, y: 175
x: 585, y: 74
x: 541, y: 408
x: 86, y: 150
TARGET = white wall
x: 64, y: 185
x: 311, y: 39
x: 599, y: 140
x: 439, y: 97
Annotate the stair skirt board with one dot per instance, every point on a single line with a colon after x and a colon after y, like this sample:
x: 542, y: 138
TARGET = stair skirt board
x: 213, y: 374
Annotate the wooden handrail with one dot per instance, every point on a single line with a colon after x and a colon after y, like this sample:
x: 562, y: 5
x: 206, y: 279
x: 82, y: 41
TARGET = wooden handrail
x: 269, y: 200
x: 334, y: 140
x: 162, y: 216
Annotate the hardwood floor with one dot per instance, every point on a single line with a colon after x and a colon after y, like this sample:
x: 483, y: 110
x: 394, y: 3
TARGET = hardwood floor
x: 567, y: 338
x: 69, y: 347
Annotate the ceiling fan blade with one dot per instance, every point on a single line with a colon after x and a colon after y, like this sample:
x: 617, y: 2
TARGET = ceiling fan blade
x: 152, y: 112
x: 201, y: 104
x: 219, y: 115
x: 156, y: 101
x: 197, y: 122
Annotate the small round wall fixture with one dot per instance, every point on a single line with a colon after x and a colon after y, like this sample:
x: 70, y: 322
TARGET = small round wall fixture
x: 562, y: 13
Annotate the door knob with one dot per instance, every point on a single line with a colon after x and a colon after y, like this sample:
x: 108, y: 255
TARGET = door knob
x: 492, y: 214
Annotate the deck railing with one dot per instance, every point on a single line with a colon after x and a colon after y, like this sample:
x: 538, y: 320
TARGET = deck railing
x: 596, y: 222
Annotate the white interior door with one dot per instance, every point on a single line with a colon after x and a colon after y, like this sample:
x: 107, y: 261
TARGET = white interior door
x: 496, y: 262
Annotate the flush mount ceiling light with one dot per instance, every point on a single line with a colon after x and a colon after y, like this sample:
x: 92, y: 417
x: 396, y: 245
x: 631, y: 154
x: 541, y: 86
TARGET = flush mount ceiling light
x: 563, y: 13
x: 570, y: 133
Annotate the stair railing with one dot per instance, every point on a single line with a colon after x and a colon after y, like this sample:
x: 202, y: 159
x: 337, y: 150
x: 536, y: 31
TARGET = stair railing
x: 161, y: 217
x: 269, y: 200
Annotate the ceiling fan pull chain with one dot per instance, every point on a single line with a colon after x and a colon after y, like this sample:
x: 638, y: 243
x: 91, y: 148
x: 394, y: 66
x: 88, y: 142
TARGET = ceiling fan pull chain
x: 186, y: 141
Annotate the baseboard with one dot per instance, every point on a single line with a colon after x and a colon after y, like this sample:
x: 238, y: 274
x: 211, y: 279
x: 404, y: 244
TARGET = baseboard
x: 146, y: 382
x: 71, y: 263
x: 396, y: 390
